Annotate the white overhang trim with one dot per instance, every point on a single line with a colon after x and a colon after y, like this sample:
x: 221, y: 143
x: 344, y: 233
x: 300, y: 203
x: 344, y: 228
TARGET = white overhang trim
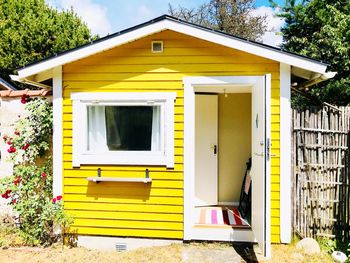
x: 57, y: 101
x: 165, y: 24
x: 285, y: 155
x: 30, y: 82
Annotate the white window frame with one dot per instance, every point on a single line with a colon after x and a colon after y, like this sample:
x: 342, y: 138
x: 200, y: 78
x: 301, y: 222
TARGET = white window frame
x: 81, y: 100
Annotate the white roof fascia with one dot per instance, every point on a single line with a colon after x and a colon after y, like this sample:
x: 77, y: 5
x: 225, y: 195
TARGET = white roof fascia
x: 162, y: 25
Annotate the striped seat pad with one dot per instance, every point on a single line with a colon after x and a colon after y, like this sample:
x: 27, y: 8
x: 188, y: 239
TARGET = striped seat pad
x: 219, y: 216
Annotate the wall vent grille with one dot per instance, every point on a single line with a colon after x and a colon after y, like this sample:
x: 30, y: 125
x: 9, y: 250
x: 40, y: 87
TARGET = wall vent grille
x: 157, y: 46
x: 120, y: 247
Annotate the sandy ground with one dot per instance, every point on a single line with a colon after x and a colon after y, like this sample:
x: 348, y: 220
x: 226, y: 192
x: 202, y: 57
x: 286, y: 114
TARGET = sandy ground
x: 175, y: 253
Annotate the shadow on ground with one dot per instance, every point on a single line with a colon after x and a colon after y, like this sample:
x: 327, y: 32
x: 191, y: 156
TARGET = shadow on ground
x: 246, y: 251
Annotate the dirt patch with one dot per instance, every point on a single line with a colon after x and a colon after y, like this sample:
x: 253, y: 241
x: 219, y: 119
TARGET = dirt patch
x: 77, y: 255
x: 174, y: 253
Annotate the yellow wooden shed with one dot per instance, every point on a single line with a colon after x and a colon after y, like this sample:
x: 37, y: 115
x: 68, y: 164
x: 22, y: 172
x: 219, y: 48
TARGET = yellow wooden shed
x: 153, y: 127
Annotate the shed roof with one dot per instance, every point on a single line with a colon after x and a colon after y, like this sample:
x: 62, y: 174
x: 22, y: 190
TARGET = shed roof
x: 4, y: 85
x: 167, y: 22
x: 20, y: 93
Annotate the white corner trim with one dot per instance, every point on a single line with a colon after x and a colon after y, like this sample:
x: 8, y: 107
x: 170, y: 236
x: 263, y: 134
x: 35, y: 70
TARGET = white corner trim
x: 189, y: 158
x: 57, y: 132
x: 176, y: 26
x: 285, y: 155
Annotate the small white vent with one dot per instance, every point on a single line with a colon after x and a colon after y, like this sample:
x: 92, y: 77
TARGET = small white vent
x: 120, y: 247
x: 157, y: 46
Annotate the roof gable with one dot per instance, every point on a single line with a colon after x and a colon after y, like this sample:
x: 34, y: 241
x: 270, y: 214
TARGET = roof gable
x: 170, y: 23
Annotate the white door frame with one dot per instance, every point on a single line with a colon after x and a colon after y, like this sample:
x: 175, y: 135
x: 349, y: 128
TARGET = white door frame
x: 190, y: 84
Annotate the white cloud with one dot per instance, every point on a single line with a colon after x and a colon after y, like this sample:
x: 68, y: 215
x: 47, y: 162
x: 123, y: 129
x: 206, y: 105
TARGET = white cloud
x: 274, y: 24
x: 93, y: 14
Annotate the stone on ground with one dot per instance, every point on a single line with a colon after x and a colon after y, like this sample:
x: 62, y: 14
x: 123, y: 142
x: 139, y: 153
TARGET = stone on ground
x: 309, y: 246
x: 339, y: 256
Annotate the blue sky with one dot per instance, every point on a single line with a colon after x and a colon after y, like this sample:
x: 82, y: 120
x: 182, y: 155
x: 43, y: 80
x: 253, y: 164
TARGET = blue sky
x: 108, y: 16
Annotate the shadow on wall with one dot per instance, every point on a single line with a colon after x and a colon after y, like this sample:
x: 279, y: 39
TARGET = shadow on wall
x: 342, y: 214
x: 119, y: 190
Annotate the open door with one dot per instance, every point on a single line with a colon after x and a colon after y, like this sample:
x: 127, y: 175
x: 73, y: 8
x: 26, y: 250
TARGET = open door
x: 206, y: 157
x: 260, y: 172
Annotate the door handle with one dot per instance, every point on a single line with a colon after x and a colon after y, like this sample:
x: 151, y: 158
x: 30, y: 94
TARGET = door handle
x: 215, y: 149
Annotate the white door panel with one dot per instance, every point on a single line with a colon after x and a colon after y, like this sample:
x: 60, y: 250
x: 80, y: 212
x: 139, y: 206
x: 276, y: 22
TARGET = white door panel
x: 206, y: 158
x: 261, y: 164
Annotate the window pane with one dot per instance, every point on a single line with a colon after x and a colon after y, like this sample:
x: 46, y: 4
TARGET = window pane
x: 124, y: 128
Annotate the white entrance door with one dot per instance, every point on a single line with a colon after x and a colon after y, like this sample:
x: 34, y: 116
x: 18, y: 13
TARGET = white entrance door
x: 260, y: 171
x: 206, y: 152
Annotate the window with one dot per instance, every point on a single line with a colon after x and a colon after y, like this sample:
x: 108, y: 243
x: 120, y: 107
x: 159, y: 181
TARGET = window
x: 123, y: 128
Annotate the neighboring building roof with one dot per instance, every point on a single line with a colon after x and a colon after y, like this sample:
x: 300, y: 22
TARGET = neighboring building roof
x: 166, y: 22
x: 20, y: 93
x: 4, y: 85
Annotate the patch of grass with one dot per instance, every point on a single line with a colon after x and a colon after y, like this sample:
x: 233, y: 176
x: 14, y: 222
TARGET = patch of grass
x: 9, y: 234
x: 168, y: 254
x: 288, y: 253
x: 330, y: 245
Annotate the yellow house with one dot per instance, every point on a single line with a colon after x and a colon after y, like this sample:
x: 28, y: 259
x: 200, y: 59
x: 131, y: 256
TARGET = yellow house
x: 153, y: 127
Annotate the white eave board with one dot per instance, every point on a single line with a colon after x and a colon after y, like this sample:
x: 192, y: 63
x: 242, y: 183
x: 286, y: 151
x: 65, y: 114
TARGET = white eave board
x: 180, y: 27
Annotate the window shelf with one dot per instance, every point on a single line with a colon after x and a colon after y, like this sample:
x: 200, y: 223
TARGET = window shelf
x: 113, y: 179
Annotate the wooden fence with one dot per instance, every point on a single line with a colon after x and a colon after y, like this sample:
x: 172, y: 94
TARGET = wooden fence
x: 321, y: 175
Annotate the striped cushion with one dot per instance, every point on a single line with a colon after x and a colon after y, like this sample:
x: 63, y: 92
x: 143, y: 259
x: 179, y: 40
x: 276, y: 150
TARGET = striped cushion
x: 220, y: 216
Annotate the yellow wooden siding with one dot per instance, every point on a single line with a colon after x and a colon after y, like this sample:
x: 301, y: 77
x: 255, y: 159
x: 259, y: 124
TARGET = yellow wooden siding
x: 156, y: 210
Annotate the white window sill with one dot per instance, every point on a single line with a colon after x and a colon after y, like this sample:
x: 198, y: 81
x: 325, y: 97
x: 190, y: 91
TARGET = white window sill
x: 113, y: 179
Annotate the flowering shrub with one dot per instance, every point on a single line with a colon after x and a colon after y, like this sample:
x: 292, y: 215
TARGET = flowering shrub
x: 32, y: 137
x: 29, y: 189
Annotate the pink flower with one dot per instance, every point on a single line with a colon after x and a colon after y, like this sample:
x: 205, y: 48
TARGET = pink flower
x: 16, y: 133
x: 4, y: 138
x: 43, y: 175
x: 14, y: 201
x: 11, y: 149
x: 9, y: 142
x: 54, y: 200
x: 26, y: 146
x: 59, y: 197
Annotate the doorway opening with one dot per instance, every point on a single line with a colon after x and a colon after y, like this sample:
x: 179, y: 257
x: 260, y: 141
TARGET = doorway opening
x: 222, y: 148
x: 217, y: 191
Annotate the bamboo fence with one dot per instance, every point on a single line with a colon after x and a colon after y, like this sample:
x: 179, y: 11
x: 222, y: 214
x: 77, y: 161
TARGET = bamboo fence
x: 321, y: 175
